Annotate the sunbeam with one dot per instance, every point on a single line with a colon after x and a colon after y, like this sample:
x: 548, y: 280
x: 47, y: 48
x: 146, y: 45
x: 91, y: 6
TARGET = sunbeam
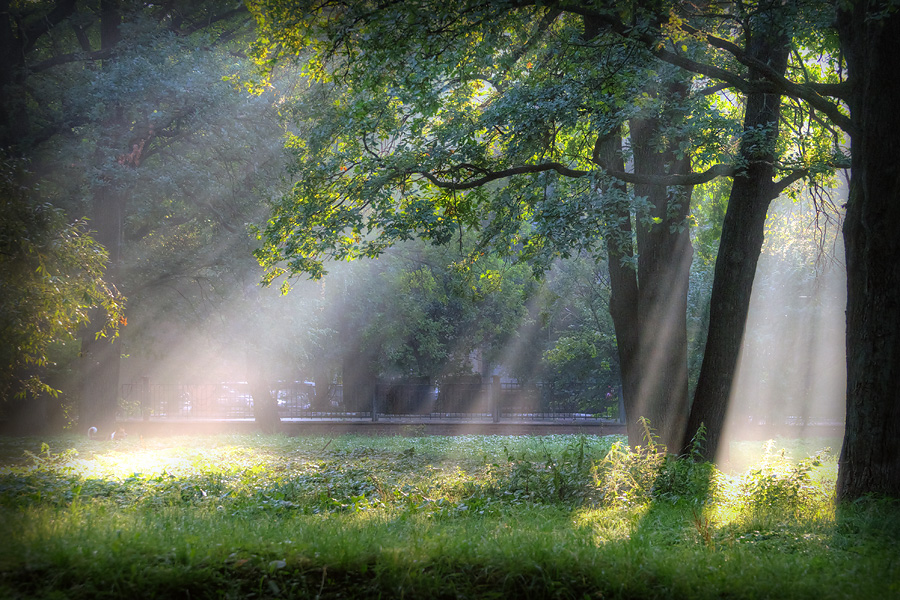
x: 791, y: 378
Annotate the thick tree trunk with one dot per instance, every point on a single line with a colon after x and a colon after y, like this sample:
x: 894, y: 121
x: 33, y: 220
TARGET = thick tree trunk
x: 322, y: 396
x: 623, y: 300
x: 739, y: 250
x: 100, y: 366
x: 101, y: 358
x: 358, y: 379
x: 870, y: 457
x: 664, y: 261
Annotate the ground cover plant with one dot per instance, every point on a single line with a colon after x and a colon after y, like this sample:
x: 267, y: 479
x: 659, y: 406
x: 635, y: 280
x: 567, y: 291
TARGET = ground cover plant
x: 421, y: 516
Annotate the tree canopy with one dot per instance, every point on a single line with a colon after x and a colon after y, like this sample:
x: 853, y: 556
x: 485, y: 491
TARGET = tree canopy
x: 429, y: 119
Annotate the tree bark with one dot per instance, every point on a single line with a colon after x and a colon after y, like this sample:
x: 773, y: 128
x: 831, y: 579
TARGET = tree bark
x: 101, y: 357
x: 623, y: 300
x: 739, y: 247
x: 664, y: 262
x: 265, y: 405
x: 870, y: 456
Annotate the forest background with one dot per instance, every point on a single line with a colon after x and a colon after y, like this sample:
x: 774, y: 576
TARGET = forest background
x: 570, y: 190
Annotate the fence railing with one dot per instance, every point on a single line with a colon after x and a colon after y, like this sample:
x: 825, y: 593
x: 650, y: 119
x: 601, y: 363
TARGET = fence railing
x: 473, y: 400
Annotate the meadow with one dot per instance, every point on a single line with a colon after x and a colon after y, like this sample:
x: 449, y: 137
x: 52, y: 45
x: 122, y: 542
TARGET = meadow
x: 433, y: 517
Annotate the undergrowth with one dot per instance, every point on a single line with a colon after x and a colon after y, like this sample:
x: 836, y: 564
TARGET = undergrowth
x: 467, y: 516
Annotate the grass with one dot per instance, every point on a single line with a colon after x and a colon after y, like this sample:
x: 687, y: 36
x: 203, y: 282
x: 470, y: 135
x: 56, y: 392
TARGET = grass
x: 430, y: 517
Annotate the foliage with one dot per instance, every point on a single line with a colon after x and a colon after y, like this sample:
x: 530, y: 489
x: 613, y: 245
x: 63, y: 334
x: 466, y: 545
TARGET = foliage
x: 418, y: 126
x: 582, y: 347
x: 635, y: 476
x: 626, y: 475
x: 423, y: 311
x: 52, y: 274
x: 688, y: 477
x: 426, y: 119
x: 171, y: 162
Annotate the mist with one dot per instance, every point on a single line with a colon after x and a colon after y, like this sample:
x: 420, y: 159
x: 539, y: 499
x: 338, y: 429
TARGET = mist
x: 791, y: 377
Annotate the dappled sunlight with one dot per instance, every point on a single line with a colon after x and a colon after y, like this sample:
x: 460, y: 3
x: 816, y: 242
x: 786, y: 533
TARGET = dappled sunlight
x: 609, y: 524
x: 118, y: 461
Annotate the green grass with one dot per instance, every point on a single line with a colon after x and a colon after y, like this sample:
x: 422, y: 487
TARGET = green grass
x: 429, y: 517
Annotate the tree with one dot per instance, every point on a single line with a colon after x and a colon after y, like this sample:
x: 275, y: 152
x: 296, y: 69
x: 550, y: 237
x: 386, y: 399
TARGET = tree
x: 866, y: 31
x: 127, y: 108
x: 765, y: 40
x: 52, y: 285
x: 580, y: 350
x: 423, y: 312
x: 429, y: 130
x: 170, y: 162
x: 869, y: 457
x: 23, y: 26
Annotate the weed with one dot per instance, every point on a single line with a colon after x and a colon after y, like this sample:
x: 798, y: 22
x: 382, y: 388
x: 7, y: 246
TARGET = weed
x: 704, y: 526
x: 779, y: 487
x: 626, y: 475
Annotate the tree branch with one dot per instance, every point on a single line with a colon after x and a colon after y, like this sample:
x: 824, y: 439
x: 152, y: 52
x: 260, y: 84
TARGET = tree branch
x: 784, y: 183
x: 719, y: 170
x: 807, y: 92
x: 31, y: 33
x: 502, y: 174
x: 70, y: 58
x: 810, y: 92
x: 710, y: 71
x: 195, y: 27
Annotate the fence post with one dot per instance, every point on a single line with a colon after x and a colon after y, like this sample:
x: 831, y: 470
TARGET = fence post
x: 495, y: 398
x: 145, y: 398
x: 621, y: 406
x: 375, y: 403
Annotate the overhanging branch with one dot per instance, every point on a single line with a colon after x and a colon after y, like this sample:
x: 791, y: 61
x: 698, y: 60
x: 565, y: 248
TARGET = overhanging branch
x: 719, y: 170
x: 810, y: 93
x: 784, y: 183
x: 502, y: 174
x: 71, y: 57
x: 30, y: 33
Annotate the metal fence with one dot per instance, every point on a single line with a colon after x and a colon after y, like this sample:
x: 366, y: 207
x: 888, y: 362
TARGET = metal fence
x: 467, y: 399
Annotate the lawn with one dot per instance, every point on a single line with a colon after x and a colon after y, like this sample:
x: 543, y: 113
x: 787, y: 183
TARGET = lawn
x: 431, y: 517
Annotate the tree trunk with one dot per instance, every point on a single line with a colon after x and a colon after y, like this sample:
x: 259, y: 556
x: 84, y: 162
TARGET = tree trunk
x: 623, y: 300
x: 664, y: 262
x: 101, y: 357
x: 321, y: 399
x: 265, y: 405
x: 870, y: 457
x: 739, y: 249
